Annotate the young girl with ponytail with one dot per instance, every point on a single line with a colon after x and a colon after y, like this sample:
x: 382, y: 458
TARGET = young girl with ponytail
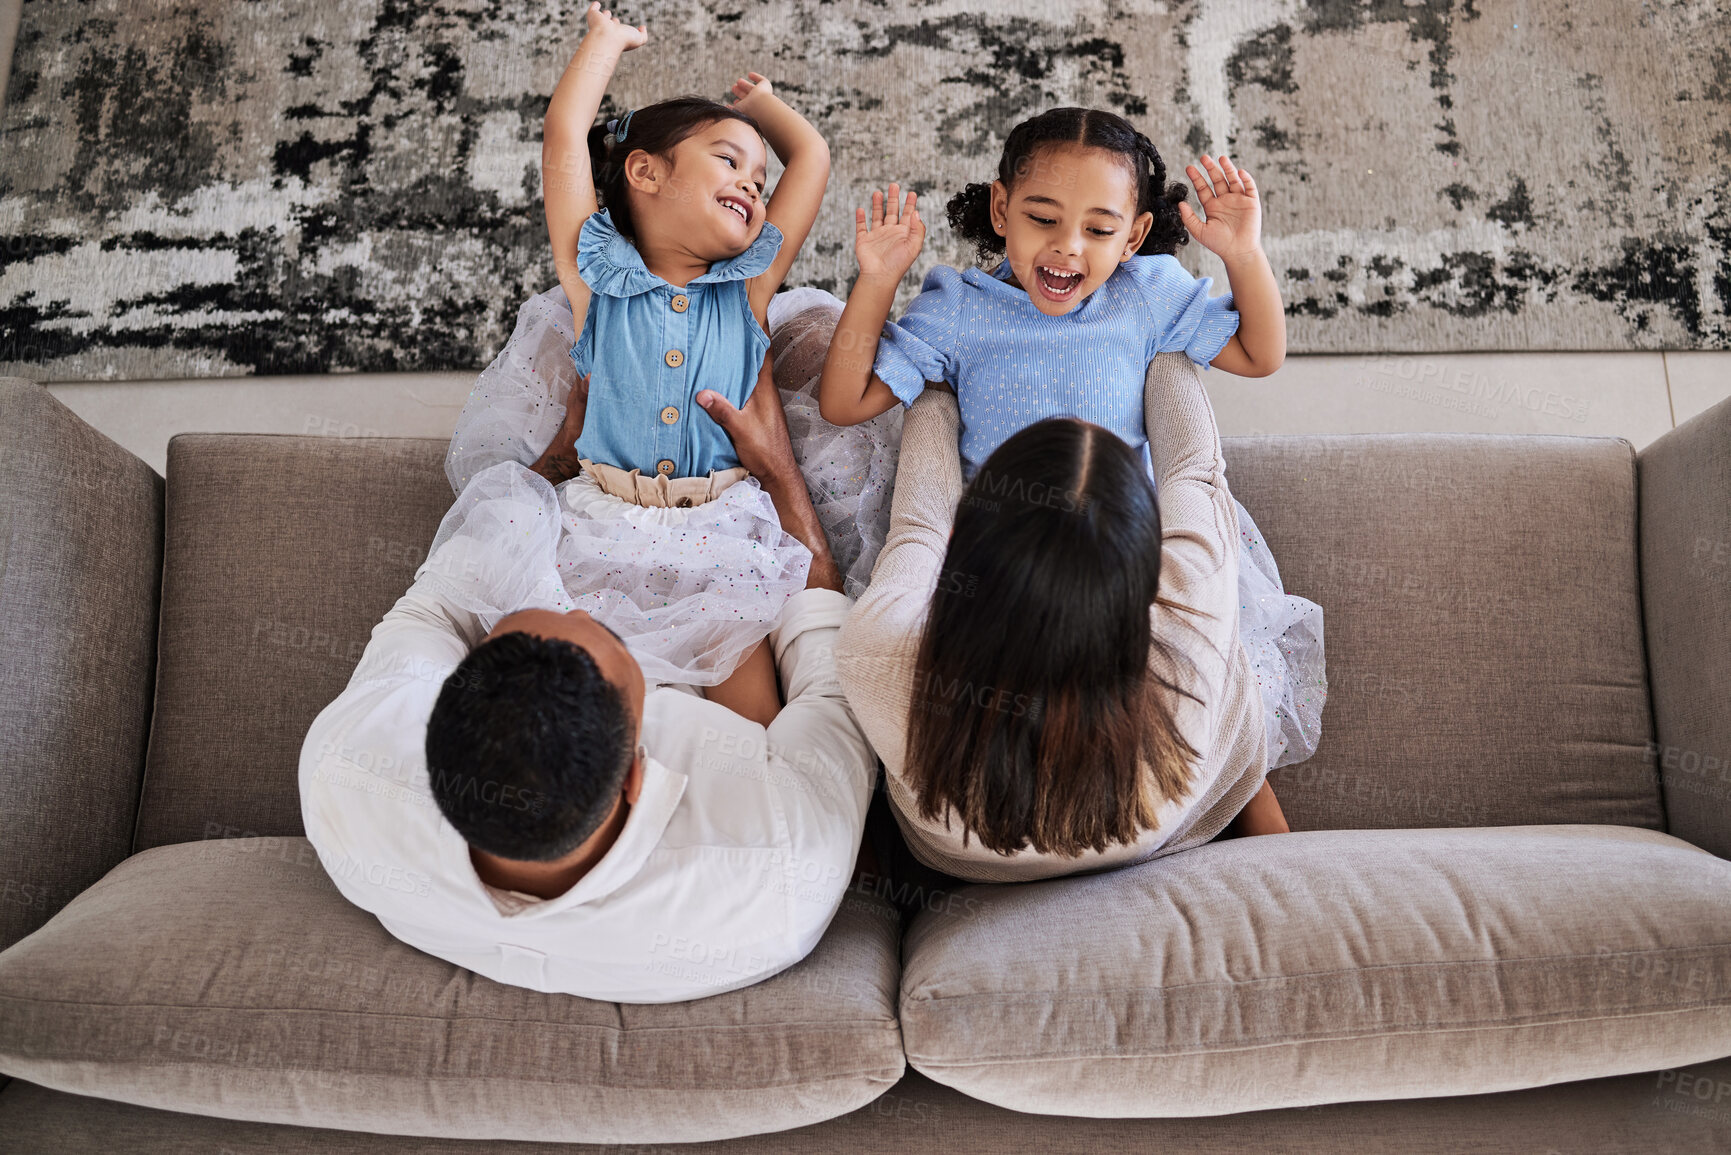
x: 1088, y: 291
x: 668, y: 251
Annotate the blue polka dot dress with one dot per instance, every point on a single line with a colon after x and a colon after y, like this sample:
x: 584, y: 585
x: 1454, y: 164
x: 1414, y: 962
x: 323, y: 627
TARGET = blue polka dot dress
x: 1012, y: 365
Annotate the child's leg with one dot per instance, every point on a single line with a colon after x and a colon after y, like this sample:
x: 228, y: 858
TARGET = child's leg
x: 750, y: 691
x: 1261, y: 815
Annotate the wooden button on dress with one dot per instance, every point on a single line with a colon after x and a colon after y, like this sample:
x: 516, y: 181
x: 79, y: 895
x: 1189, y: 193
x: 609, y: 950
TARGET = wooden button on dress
x: 664, y: 467
x: 674, y: 358
x: 681, y: 302
x: 669, y: 415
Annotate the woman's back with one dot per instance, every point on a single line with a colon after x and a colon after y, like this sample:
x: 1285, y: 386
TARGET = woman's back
x: 1214, y: 707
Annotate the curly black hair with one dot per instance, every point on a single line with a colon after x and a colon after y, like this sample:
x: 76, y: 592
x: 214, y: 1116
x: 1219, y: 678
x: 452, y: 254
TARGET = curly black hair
x: 528, y: 747
x: 970, y: 211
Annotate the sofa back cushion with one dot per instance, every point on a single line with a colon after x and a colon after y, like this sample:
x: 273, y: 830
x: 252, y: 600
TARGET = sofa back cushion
x: 280, y: 555
x: 1686, y: 587
x: 80, y: 566
x: 1482, y: 618
x: 1480, y: 598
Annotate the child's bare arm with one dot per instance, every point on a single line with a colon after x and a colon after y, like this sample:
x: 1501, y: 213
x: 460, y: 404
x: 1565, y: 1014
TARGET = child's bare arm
x: 1259, y: 346
x: 849, y: 391
x: 567, y: 182
x: 1233, y: 231
x: 1261, y: 815
x: 804, y: 156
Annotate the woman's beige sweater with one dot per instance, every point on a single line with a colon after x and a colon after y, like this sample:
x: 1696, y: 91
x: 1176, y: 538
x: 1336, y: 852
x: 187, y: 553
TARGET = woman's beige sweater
x: 1198, y: 575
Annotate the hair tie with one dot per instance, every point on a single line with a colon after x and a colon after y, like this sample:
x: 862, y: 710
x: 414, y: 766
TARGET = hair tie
x: 619, y: 124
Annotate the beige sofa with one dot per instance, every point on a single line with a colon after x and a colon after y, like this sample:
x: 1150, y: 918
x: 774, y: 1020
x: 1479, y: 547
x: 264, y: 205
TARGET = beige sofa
x: 1504, y: 923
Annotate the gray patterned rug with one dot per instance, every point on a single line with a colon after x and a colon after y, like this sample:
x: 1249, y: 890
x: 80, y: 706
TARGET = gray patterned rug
x: 214, y: 188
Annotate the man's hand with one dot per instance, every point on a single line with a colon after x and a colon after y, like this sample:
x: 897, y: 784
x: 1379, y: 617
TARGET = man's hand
x: 559, y: 463
x: 758, y: 431
x: 608, y: 30
x: 760, y: 439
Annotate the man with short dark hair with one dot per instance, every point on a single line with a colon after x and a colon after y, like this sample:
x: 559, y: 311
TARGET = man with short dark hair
x: 533, y: 706
x: 500, y: 787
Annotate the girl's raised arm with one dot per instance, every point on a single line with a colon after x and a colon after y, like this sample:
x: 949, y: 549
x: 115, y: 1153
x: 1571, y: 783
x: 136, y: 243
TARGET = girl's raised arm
x: 799, y: 193
x: 1233, y: 232
x: 567, y: 181
x: 886, y: 244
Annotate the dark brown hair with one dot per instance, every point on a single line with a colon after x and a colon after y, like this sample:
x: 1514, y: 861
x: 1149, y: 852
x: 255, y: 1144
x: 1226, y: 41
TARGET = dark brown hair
x: 1035, y: 714
x: 656, y: 129
x: 970, y: 211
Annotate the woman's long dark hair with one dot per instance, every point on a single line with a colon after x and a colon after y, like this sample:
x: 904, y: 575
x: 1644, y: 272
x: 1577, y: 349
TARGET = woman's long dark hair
x: 970, y: 211
x: 656, y: 129
x: 1035, y: 714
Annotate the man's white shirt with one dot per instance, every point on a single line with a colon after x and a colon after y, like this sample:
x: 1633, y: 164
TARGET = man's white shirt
x: 730, y: 865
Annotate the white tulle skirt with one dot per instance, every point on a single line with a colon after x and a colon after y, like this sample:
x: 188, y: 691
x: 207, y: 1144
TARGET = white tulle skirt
x: 690, y: 590
x: 850, y: 471
x: 1282, y: 636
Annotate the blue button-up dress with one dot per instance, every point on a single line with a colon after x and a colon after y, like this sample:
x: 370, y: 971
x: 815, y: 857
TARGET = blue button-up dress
x: 649, y: 347
x: 1012, y: 365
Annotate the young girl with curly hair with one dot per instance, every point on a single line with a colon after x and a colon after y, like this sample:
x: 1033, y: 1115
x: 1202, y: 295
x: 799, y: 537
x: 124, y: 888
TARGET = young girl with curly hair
x: 1066, y: 324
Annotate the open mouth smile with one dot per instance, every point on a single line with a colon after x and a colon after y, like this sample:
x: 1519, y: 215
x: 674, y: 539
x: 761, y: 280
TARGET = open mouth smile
x: 1057, y: 284
x: 738, y: 206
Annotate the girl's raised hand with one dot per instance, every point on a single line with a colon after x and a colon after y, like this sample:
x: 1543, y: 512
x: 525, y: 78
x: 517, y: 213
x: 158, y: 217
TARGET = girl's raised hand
x: 750, y: 89
x: 604, y: 24
x: 1229, y: 197
x: 887, y: 242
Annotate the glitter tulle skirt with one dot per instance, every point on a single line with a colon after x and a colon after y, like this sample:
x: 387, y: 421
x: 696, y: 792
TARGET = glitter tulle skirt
x: 693, y: 590
x: 690, y: 590
x: 1282, y: 636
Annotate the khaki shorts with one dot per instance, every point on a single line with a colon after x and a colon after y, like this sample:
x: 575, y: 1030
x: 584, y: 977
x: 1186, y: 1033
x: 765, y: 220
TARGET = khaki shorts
x: 669, y: 492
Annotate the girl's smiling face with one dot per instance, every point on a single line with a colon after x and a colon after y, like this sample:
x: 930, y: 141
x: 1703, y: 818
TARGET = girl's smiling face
x: 708, y: 193
x: 1068, y: 222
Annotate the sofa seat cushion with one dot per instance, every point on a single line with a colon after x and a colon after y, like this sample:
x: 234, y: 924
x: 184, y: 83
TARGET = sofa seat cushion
x: 229, y: 978
x: 1327, y: 966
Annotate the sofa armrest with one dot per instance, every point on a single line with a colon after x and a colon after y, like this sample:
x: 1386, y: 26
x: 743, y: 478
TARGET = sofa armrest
x: 1685, y: 480
x: 80, y: 571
